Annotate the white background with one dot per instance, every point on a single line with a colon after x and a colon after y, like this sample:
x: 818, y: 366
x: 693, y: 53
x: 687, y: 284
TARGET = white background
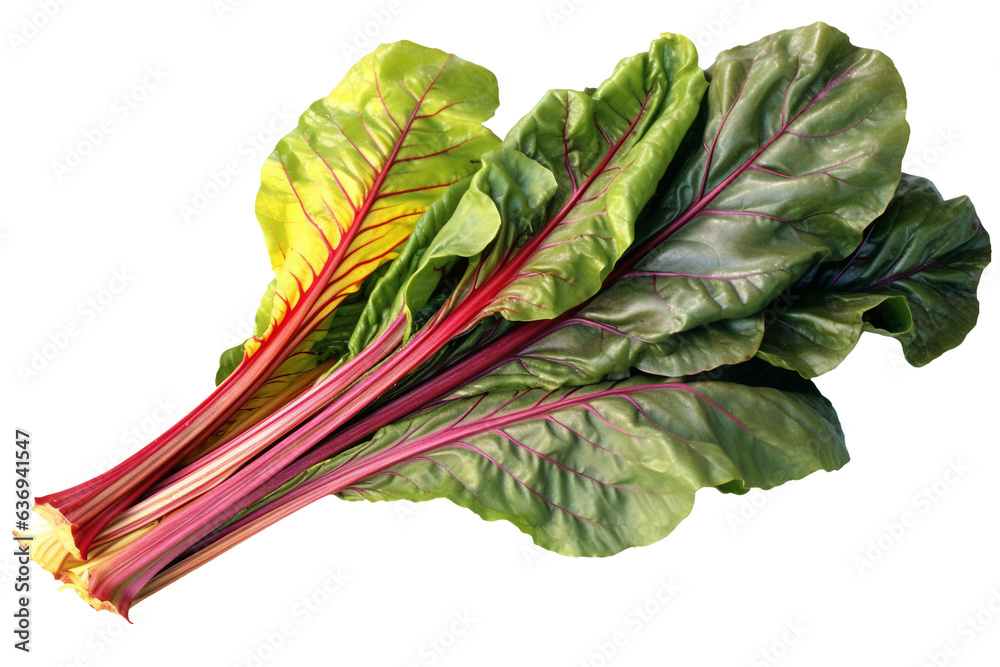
x: 746, y: 569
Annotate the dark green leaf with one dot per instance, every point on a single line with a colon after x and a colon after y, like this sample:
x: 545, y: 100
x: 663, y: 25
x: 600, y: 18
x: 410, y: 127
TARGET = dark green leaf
x: 913, y: 278
x: 802, y: 135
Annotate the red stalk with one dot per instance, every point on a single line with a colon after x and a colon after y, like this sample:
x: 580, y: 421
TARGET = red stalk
x: 209, y: 470
x: 121, y: 587
x: 186, y: 526
x: 332, y: 482
x: 80, y: 513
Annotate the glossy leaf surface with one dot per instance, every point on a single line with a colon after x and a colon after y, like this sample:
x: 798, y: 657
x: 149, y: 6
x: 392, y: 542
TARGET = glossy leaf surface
x: 607, y: 147
x: 591, y: 471
x: 913, y: 278
x: 342, y: 192
x: 802, y: 135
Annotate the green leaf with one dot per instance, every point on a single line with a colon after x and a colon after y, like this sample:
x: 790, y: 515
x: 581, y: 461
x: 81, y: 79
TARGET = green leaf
x: 914, y: 278
x: 565, y: 194
x: 582, y: 351
x: 801, y: 139
x: 592, y: 471
x: 509, y: 191
x: 607, y: 147
x: 797, y: 150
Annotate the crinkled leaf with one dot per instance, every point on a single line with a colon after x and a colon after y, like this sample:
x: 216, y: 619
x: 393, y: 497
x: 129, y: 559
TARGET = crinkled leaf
x: 558, y: 236
x: 913, y: 278
x: 344, y: 189
x: 582, y: 351
x: 607, y: 147
x: 508, y: 191
x: 592, y: 471
x: 747, y: 213
x: 348, y: 184
x: 802, y: 135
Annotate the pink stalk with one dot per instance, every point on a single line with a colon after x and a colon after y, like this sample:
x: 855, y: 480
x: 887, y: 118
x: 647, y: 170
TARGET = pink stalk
x: 179, y: 531
x: 139, y: 564
x: 80, y: 513
x: 339, y: 479
x: 211, y: 469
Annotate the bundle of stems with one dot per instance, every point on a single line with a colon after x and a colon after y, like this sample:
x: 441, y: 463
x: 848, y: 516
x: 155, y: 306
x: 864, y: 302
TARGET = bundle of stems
x: 572, y: 329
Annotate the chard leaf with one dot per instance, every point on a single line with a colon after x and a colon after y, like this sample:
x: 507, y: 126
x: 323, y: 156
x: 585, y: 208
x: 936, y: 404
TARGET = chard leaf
x: 560, y: 201
x: 743, y: 217
x: 801, y: 138
x: 592, y: 471
x: 509, y: 191
x: 607, y: 147
x: 581, y: 351
x: 343, y: 191
x: 914, y: 278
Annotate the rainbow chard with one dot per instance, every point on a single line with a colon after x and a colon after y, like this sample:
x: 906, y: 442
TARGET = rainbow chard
x: 594, y: 470
x: 338, y: 196
x: 585, y: 471
x: 737, y: 221
x: 689, y: 296
x: 560, y: 331
x: 555, y: 240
